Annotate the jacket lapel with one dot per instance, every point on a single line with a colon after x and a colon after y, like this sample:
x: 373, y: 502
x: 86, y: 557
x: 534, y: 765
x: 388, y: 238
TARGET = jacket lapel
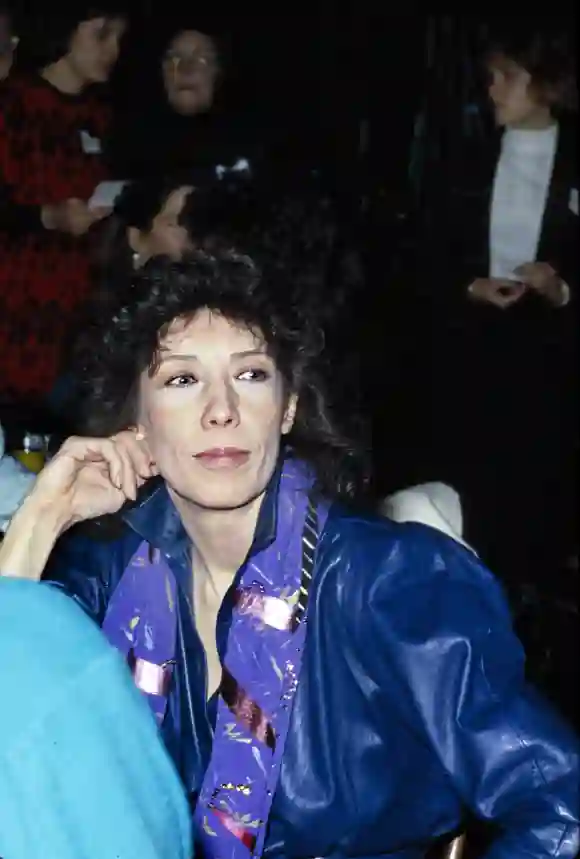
x: 557, y: 240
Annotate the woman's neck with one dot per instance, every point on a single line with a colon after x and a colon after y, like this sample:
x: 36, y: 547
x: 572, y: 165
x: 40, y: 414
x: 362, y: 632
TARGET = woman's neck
x: 221, y: 538
x: 537, y: 120
x: 62, y: 76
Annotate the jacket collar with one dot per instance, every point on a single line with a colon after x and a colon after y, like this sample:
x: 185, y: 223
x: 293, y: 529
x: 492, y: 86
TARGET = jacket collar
x: 155, y: 518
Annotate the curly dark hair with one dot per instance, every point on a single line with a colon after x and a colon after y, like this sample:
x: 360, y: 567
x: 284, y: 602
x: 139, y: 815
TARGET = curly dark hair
x: 545, y: 49
x: 123, y: 342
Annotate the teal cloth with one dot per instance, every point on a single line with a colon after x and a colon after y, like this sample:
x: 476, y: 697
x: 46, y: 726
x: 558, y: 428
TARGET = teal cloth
x: 83, y: 772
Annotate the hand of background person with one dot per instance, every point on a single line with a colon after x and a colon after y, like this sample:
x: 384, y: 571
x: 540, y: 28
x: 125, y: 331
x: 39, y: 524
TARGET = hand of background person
x: 72, y: 216
x: 500, y: 292
x: 543, y: 279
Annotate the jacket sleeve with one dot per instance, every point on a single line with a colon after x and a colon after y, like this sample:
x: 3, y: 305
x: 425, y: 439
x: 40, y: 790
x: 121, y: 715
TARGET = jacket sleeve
x: 566, y: 223
x: 568, y: 268
x: 442, y: 635
x: 84, y: 568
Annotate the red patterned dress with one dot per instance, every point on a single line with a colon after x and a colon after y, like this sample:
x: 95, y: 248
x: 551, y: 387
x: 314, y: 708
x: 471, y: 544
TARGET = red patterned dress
x: 49, y: 152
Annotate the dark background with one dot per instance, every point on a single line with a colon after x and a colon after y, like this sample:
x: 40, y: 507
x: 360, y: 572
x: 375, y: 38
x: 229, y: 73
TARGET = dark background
x: 378, y: 99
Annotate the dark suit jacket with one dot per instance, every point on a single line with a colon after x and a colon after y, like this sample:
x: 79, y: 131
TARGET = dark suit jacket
x: 454, y: 244
x: 493, y: 373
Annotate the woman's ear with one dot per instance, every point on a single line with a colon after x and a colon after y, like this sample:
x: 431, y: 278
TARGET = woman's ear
x: 141, y: 437
x: 289, y: 414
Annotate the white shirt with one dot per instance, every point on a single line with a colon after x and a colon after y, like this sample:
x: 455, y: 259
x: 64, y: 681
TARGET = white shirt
x: 520, y: 191
x: 433, y: 504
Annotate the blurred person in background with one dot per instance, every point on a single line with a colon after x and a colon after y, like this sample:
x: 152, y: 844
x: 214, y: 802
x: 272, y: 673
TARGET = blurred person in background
x: 173, y: 120
x: 148, y: 220
x: 500, y: 277
x: 52, y: 129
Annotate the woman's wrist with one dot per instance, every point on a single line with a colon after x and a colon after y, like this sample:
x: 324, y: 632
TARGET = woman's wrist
x: 31, y: 536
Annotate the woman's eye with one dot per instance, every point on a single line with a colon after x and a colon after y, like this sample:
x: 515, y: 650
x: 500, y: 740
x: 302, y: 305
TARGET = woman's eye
x: 181, y: 381
x: 254, y: 375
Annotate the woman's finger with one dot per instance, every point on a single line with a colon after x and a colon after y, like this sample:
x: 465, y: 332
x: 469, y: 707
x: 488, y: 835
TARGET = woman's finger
x: 138, y: 451
x: 84, y: 450
x: 129, y: 474
x: 126, y: 460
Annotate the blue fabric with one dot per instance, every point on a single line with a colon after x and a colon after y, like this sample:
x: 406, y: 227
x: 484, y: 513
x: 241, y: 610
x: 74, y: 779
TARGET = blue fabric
x: 412, y: 704
x: 83, y: 774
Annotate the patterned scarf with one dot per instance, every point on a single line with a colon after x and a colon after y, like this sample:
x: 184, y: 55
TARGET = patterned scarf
x: 260, y: 678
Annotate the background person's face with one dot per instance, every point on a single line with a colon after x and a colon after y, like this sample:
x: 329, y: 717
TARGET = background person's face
x: 512, y: 96
x: 190, y: 69
x: 214, y: 412
x: 94, y: 48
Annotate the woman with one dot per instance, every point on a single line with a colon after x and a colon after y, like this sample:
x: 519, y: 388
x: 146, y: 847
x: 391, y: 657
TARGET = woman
x: 502, y: 272
x: 51, y: 133
x: 305, y: 662
x: 173, y: 122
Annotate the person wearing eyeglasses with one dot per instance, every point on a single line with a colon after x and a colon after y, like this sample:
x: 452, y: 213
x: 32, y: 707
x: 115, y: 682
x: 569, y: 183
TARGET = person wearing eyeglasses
x: 172, y: 118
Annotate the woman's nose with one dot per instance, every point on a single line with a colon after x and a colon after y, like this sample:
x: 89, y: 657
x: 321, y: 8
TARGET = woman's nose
x: 222, y: 408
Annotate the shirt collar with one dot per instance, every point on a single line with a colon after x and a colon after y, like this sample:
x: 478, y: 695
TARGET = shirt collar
x: 155, y: 518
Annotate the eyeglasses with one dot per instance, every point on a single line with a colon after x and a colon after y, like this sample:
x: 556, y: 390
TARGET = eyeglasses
x: 193, y: 62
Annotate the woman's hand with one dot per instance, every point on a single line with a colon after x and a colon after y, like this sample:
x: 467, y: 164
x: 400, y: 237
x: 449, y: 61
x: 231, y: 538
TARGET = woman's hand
x: 91, y: 477
x: 72, y: 216
x: 499, y: 292
x: 88, y: 477
x: 543, y: 279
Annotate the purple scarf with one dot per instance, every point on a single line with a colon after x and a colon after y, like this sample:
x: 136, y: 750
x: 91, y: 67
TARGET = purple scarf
x: 260, y: 671
x: 141, y: 622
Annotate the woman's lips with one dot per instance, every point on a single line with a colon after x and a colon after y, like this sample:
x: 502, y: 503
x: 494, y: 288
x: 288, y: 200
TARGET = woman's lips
x: 223, y: 457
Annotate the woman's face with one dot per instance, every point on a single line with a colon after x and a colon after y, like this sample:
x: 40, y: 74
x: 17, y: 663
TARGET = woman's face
x: 94, y: 48
x: 166, y: 237
x: 512, y: 95
x: 213, y: 412
x: 190, y: 68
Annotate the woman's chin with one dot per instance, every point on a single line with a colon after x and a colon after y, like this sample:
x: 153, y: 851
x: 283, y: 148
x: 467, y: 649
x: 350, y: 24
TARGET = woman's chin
x: 218, y: 498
